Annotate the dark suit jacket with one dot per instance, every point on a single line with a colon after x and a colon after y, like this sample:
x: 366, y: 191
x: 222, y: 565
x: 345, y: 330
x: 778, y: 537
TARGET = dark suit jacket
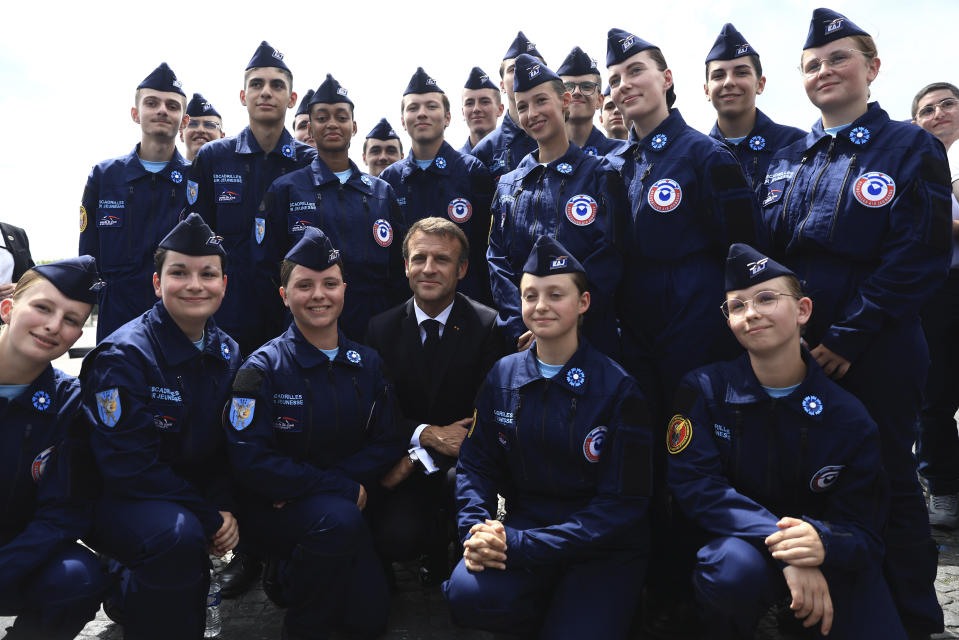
x: 16, y: 242
x: 471, y: 343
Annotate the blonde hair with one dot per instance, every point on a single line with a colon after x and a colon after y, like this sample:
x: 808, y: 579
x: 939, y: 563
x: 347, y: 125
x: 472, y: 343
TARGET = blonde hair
x: 27, y: 280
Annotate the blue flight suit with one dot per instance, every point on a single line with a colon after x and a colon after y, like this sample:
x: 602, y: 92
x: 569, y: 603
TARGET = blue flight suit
x: 160, y: 445
x: 577, y: 199
x: 756, y: 150
x: 306, y: 431
x: 599, y: 145
x: 571, y: 456
x: 50, y: 582
x: 864, y: 220
x: 503, y: 148
x: 457, y: 187
x: 741, y: 460
x: 689, y: 201
x: 361, y: 219
x: 125, y: 212
x: 227, y: 182
x: 467, y: 148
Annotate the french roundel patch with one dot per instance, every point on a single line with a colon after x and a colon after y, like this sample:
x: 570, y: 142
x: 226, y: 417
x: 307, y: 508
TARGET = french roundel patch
x: 40, y: 464
x: 825, y: 478
x: 874, y: 189
x: 581, y: 210
x: 593, y: 444
x: 679, y: 434
x: 383, y: 233
x: 665, y: 195
x: 83, y: 219
x: 460, y: 210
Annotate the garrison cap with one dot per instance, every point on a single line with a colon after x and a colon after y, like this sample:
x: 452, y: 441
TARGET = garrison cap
x: 746, y: 267
x: 162, y: 79
x: 531, y: 72
x: 421, y: 82
x: 330, y: 92
x: 304, y: 108
x: 314, y: 251
x: 267, y: 56
x: 827, y: 25
x: 479, y: 79
x: 577, y: 63
x: 382, y: 131
x: 621, y: 45
x: 199, y: 106
x: 193, y: 237
x: 521, y: 44
x: 76, y: 278
x: 729, y: 45
x: 548, y: 257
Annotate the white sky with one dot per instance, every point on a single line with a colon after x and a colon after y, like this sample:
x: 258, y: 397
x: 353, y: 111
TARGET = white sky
x: 69, y: 70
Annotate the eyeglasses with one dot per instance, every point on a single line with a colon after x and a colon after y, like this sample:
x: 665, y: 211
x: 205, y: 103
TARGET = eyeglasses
x: 836, y: 60
x: 207, y: 124
x: 946, y: 104
x: 763, y: 302
x: 587, y: 88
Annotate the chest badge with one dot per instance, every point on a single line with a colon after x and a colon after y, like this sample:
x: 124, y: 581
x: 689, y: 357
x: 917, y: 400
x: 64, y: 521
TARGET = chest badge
x: 591, y: 151
x: 874, y: 189
x: 287, y: 151
x: 581, y: 210
x: 440, y: 162
x: 575, y: 377
x: 659, y: 141
x: 679, y: 434
x: 365, y: 179
x: 241, y: 412
x: 259, y: 229
x: 859, y: 135
x: 459, y: 210
x: 593, y: 444
x: 225, y: 350
x: 812, y: 405
x: 564, y: 168
x: 665, y: 195
x: 40, y: 464
x: 383, y: 233
x: 353, y: 357
x: 176, y: 176
x: 757, y: 143
x: 40, y: 400
x: 825, y: 478
x: 108, y: 407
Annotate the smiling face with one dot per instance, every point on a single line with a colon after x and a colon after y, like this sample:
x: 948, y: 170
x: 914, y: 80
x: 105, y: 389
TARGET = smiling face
x: 425, y: 117
x: 42, y: 323
x: 481, y: 108
x: 267, y: 95
x: 638, y: 87
x: 542, y: 112
x: 434, y: 268
x: 763, y: 332
x: 583, y: 107
x: 841, y: 84
x: 332, y: 126
x: 192, y: 287
x: 732, y: 86
x: 199, y: 131
x: 301, y: 129
x: 612, y: 119
x: 379, y: 154
x: 943, y: 122
x: 315, y: 298
x: 552, y: 305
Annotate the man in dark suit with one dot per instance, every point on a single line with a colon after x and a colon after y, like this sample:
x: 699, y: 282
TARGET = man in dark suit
x: 438, y: 347
x: 14, y: 257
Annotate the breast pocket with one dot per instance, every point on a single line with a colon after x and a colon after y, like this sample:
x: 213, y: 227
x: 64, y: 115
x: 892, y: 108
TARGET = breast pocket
x: 228, y: 198
x: 113, y: 226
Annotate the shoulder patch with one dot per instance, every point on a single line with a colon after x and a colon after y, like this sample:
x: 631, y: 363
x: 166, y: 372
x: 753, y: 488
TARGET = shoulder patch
x: 247, y: 382
x: 679, y: 433
x: 825, y: 478
x: 241, y: 412
x: 108, y: 407
x: 469, y: 434
x: 728, y: 176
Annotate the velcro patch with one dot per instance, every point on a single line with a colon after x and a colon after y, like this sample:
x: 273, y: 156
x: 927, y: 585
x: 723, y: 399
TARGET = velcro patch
x: 686, y: 398
x: 728, y: 176
x: 738, y: 214
x: 247, y: 382
x: 635, y: 411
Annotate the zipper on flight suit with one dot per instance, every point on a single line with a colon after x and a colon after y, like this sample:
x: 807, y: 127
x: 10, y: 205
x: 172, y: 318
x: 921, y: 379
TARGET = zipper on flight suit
x: 792, y: 185
x: 359, y: 403
x: 842, y: 191
x: 642, y: 188
x: 815, y: 188
x: 519, y: 449
x: 561, y: 213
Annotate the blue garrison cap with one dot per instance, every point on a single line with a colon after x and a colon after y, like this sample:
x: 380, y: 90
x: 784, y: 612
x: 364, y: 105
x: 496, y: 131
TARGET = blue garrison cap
x: 521, y: 44
x: 421, y: 82
x: 746, y: 267
x: 606, y: 91
x: 479, y: 80
x: 76, y: 278
x: 382, y: 131
x: 577, y: 63
x: 314, y: 251
x: 198, y: 106
x: 621, y: 45
x: 827, y: 25
x: 162, y: 79
x: 548, y: 257
x: 304, y: 108
x: 267, y: 56
x: 330, y: 92
x: 729, y: 45
x: 194, y: 238
x: 531, y: 72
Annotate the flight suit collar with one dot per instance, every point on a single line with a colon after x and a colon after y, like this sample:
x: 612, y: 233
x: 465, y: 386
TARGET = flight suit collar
x: 858, y: 135
x: 564, y: 166
x: 593, y: 142
x: 173, y: 172
x: 760, y: 127
x: 442, y: 164
x: 323, y: 175
x: 743, y: 388
x: 176, y: 346
x: 245, y: 143
x: 510, y: 130
x: 574, y: 375
x: 660, y: 138
x: 40, y: 396
x: 308, y: 356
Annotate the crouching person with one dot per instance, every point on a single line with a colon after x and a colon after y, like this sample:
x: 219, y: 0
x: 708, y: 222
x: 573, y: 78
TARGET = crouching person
x: 560, y: 431
x: 781, y: 468
x: 52, y: 584
x: 312, y: 429
x: 156, y: 387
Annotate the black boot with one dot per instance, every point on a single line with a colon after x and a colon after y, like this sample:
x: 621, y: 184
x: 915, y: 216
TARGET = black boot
x: 238, y: 576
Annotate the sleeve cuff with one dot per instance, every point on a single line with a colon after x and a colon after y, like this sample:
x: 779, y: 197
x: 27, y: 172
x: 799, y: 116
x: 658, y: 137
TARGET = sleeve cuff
x: 415, y: 440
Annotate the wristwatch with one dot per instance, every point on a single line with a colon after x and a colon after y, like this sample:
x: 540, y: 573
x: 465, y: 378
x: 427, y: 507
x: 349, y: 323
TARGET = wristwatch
x: 414, y: 459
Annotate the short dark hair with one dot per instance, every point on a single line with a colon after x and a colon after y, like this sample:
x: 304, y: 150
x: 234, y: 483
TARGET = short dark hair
x: 753, y: 58
x: 287, y: 266
x: 367, y: 142
x: 929, y: 88
x: 159, y: 257
x: 441, y: 227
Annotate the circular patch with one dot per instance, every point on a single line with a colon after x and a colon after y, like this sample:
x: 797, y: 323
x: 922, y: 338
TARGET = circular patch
x: 593, y: 444
x: 665, y: 195
x: 575, y: 377
x: 287, y: 151
x: 825, y: 478
x: 40, y: 464
x: 441, y: 162
x: 459, y: 210
x: 679, y: 433
x: 659, y: 141
x: 366, y: 180
x: 41, y: 400
x: 757, y: 143
x: 812, y: 405
x: 874, y: 189
x: 592, y: 151
x: 564, y: 167
x: 176, y: 176
x: 383, y: 233
x: 353, y: 356
x: 83, y: 219
x: 859, y: 135
x: 581, y: 210
x: 225, y: 350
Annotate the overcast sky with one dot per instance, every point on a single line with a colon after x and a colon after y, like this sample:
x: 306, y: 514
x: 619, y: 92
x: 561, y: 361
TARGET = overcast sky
x: 69, y: 70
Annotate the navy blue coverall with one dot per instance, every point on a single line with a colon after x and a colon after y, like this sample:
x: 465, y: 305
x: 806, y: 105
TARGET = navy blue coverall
x: 757, y: 149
